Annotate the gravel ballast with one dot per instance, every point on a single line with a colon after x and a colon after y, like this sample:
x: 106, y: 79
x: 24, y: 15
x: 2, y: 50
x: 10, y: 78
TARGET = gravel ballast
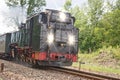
x: 13, y: 71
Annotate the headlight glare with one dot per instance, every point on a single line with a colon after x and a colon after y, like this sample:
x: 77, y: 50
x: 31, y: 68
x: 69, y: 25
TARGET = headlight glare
x: 50, y: 38
x: 71, y: 39
x: 62, y: 16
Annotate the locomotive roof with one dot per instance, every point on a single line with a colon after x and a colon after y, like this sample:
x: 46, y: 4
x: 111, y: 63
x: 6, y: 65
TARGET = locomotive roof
x: 47, y: 10
x: 32, y: 16
x: 4, y: 34
x: 54, y: 10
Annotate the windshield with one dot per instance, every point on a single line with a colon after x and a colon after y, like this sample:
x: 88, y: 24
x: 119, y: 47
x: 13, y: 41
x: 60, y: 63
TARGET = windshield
x: 60, y: 17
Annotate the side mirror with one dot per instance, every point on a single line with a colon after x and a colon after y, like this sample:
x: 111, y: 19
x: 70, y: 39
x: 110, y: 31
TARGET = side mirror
x: 73, y: 20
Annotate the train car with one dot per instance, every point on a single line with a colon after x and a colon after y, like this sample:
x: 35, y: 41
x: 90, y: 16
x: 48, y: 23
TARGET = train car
x: 47, y: 39
x: 4, y: 44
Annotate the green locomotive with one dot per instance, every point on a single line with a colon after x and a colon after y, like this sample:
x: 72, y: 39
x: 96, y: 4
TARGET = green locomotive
x: 48, y: 38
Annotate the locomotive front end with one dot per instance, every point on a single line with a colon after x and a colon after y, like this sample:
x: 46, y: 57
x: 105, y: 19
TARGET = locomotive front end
x: 59, y: 38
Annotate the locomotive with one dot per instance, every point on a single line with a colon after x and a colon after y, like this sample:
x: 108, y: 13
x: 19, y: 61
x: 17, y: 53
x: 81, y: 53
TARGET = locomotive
x: 47, y: 39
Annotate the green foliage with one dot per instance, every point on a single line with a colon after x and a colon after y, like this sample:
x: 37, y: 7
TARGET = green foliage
x: 67, y: 5
x: 98, y: 68
x: 117, y: 4
x: 32, y: 6
x: 35, y: 6
x: 81, y: 18
x: 95, y: 11
x: 91, y: 38
x: 114, y: 51
x: 99, y: 24
x: 105, y: 60
x: 111, y: 24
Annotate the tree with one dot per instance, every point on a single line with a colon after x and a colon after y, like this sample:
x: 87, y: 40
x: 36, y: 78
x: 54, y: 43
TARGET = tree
x: 111, y: 23
x: 31, y: 6
x: 117, y: 6
x: 67, y: 5
x: 81, y: 18
x: 21, y: 9
x: 95, y: 11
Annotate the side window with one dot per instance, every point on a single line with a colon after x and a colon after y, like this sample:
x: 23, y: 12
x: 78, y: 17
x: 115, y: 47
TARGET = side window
x: 28, y: 25
x: 42, y: 18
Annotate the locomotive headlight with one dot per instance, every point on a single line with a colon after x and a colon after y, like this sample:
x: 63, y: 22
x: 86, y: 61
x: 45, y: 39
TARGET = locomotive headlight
x: 62, y: 16
x: 71, y: 40
x: 50, y: 38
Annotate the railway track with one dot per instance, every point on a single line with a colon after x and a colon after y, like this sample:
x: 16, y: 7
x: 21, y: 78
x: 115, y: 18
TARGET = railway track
x: 88, y: 75
x: 15, y: 71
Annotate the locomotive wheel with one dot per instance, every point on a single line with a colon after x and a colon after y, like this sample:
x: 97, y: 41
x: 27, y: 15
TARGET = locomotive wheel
x: 34, y: 62
x: 26, y: 60
x: 20, y: 59
x: 12, y: 53
x: 16, y: 58
x: 30, y: 61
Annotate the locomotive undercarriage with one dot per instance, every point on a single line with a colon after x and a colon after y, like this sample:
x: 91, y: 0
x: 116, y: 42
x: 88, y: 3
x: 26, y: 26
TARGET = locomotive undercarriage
x: 25, y: 55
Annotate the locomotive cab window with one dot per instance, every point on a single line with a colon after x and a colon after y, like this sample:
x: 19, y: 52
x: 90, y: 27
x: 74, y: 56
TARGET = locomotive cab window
x: 62, y: 17
x: 42, y: 18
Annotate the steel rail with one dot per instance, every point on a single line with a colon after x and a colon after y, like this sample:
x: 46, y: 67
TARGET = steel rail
x: 84, y: 74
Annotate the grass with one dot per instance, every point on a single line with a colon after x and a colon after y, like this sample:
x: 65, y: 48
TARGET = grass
x: 87, y: 58
x: 97, y: 68
x: 92, y: 60
x: 1, y: 79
